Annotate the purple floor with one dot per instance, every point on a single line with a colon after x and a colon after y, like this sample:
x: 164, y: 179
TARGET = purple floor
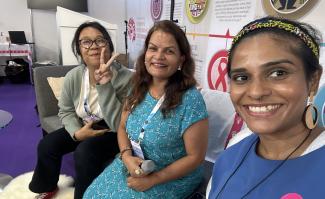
x: 18, y: 140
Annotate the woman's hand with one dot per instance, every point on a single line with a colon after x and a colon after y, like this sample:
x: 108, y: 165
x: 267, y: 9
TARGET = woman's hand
x: 133, y: 163
x: 104, y: 74
x: 140, y: 184
x: 86, y: 132
x: 196, y: 141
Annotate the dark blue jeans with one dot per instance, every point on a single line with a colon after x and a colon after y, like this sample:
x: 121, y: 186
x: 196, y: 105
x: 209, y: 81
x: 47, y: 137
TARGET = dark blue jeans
x: 91, y: 157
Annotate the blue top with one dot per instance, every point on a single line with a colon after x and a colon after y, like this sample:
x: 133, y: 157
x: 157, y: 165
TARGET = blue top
x: 297, y: 178
x: 163, y: 143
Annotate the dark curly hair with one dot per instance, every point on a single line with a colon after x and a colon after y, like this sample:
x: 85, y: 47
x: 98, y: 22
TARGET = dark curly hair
x: 177, y: 84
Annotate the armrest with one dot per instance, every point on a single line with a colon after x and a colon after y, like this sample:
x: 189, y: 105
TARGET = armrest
x: 47, y: 104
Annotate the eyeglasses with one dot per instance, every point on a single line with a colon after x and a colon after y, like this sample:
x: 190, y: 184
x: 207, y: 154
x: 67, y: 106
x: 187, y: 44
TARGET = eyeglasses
x: 87, y: 43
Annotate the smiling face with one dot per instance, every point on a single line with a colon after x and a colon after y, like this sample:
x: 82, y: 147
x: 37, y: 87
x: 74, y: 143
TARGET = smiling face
x: 91, y: 56
x: 268, y: 85
x: 163, y: 56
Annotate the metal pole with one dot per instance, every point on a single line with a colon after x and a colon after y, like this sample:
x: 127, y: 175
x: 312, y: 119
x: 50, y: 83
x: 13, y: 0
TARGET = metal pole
x: 125, y: 37
x: 33, y: 39
x: 172, y: 7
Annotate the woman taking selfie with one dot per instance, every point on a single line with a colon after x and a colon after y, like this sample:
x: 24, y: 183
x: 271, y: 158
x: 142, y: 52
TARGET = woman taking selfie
x: 274, y: 70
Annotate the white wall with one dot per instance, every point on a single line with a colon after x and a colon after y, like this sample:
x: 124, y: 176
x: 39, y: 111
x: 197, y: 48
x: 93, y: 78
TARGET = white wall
x: 68, y: 22
x: 39, y: 27
x: 46, y: 30
x: 14, y: 15
x: 45, y: 35
x: 111, y: 11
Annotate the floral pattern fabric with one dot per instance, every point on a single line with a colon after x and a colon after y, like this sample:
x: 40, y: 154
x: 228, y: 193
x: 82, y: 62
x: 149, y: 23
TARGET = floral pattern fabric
x: 163, y: 143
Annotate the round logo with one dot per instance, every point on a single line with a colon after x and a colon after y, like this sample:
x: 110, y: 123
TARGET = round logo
x: 196, y: 9
x: 131, y: 29
x: 287, y: 6
x: 217, y: 71
x: 156, y: 9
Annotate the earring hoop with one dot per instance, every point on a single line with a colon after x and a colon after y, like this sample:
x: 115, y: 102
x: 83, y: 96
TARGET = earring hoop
x: 311, y: 111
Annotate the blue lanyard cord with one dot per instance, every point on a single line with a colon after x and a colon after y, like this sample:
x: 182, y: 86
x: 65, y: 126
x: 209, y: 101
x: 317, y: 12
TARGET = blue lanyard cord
x: 146, y: 122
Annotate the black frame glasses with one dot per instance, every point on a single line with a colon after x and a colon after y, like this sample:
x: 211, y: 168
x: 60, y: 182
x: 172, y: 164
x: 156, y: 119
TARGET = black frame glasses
x: 88, y: 43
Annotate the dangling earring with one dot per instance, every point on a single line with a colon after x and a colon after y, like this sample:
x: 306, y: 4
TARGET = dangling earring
x: 310, y: 112
x: 179, y: 67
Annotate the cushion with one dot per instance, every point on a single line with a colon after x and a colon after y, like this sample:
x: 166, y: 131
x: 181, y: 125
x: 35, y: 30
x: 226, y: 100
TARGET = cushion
x: 51, y: 123
x: 221, y: 117
x: 56, y: 84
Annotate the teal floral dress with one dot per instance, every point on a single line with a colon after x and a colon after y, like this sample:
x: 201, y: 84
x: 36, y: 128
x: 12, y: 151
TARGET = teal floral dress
x: 163, y: 143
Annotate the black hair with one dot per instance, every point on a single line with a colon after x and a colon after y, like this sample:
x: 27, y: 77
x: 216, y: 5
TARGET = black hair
x: 299, y: 47
x: 93, y: 24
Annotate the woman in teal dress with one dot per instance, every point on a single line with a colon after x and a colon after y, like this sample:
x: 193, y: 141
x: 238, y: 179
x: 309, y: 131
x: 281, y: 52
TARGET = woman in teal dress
x: 172, y: 135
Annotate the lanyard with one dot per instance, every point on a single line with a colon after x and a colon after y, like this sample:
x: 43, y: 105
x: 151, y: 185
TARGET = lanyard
x: 86, y: 89
x: 153, y: 112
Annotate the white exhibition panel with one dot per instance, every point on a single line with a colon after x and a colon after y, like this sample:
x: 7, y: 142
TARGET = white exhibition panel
x: 67, y: 22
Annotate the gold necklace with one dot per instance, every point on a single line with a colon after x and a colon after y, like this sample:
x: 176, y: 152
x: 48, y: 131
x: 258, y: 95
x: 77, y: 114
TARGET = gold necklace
x: 156, y: 96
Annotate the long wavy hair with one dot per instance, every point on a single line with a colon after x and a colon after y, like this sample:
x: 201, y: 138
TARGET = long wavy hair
x: 177, y: 84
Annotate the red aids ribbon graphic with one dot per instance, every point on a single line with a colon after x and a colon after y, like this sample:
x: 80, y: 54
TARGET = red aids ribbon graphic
x: 217, y: 71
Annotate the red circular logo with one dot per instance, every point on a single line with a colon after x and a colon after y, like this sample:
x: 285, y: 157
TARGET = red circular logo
x: 131, y: 29
x: 217, y: 71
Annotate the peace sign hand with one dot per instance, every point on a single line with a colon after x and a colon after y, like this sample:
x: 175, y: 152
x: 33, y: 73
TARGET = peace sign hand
x: 104, y: 73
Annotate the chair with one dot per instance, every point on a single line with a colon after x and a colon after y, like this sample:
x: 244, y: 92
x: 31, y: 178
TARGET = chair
x: 47, y: 104
x: 221, y: 118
